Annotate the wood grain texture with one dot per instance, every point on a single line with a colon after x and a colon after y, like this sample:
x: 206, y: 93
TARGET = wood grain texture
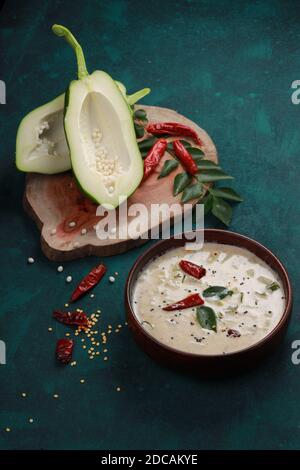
x: 53, y: 201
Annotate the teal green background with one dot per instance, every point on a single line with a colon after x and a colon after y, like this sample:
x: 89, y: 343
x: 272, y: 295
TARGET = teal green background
x: 228, y: 66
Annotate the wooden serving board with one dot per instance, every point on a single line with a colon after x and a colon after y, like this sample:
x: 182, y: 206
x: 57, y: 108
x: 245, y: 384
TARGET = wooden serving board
x: 53, y: 201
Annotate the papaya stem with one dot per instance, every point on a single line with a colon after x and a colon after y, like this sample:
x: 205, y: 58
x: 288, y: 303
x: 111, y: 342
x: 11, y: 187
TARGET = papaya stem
x: 137, y: 96
x: 64, y: 32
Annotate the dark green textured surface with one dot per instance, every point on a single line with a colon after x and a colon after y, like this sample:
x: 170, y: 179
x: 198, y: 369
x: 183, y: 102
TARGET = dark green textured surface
x: 228, y: 66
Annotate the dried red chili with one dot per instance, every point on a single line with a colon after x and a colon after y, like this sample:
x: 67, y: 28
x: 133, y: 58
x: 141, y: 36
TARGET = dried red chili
x: 192, y: 269
x: 153, y: 156
x: 174, y: 129
x: 64, y: 350
x: 89, y: 281
x: 191, y: 301
x: 185, y: 157
x: 71, y: 318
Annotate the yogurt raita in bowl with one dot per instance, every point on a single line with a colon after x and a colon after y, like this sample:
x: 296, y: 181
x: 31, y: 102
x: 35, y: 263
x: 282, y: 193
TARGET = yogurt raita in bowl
x: 236, y: 299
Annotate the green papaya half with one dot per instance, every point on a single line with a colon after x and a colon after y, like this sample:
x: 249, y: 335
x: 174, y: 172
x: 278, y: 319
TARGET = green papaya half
x: 99, y: 129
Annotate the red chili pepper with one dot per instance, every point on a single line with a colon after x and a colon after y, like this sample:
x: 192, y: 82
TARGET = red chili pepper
x: 185, y: 157
x: 64, y: 350
x: 175, y: 129
x: 89, y: 281
x: 71, y: 318
x: 192, y: 269
x: 190, y: 301
x: 153, y: 156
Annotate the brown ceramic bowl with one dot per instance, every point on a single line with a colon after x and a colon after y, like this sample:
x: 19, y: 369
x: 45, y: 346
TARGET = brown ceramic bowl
x: 212, y: 364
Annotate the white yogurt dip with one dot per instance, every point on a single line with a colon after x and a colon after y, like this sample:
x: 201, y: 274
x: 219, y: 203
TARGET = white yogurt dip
x: 253, y: 306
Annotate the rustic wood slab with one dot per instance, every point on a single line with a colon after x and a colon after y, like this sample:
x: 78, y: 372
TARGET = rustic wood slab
x: 53, y: 201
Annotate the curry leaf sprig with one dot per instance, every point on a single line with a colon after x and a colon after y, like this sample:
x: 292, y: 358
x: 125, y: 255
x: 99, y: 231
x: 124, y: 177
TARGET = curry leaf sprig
x: 216, y: 200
